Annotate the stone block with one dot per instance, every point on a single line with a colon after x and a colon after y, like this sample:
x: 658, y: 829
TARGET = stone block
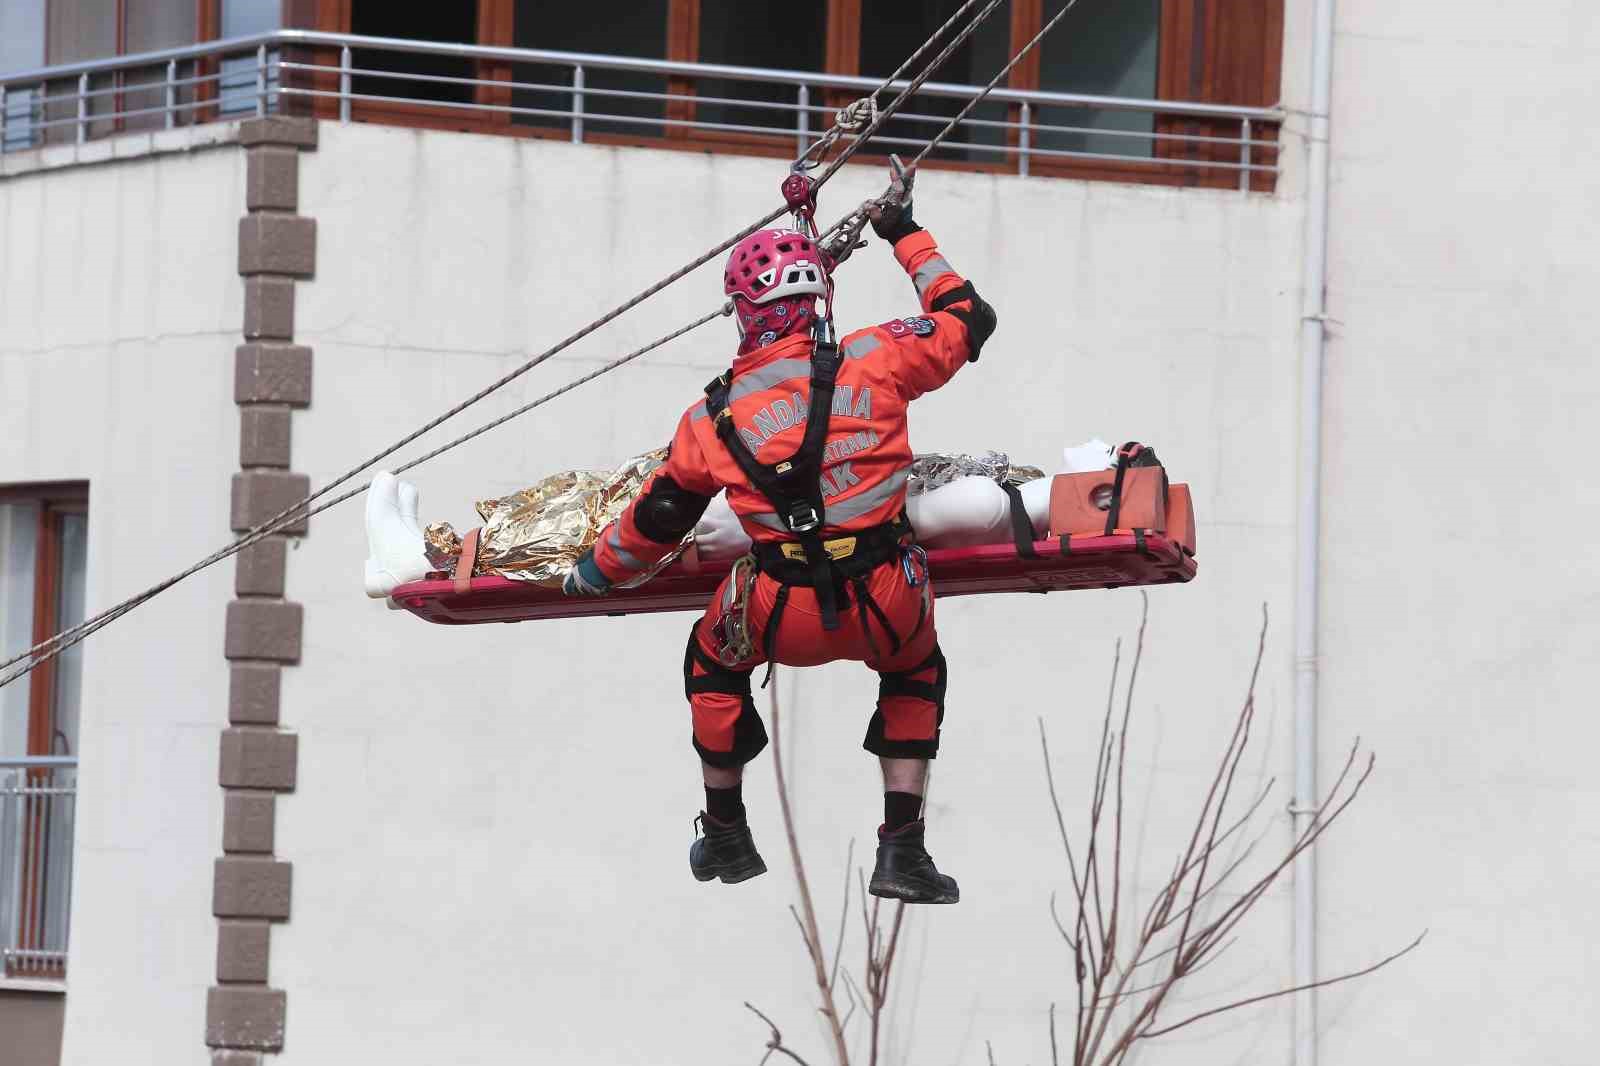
x: 249, y: 822
x: 243, y: 949
x: 264, y: 435
x: 268, y: 308
x: 245, y: 1016
x: 278, y: 129
x: 272, y: 243
x: 272, y: 178
x: 253, y: 693
x: 249, y: 887
x: 258, y: 758
x: 260, y: 569
x: 272, y: 373
x: 261, y: 495
x: 264, y: 629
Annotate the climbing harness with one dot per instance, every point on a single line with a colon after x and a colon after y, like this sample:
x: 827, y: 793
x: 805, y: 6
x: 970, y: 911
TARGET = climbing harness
x: 862, y: 120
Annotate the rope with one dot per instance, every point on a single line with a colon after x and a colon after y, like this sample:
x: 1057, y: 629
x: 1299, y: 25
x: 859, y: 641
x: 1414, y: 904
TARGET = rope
x: 47, y: 650
x: 38, y: 657
x: 850, y: 117
x: 840, y: 238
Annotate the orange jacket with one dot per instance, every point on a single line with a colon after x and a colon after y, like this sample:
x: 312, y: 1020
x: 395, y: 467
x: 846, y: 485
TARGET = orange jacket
x: 868, y: 453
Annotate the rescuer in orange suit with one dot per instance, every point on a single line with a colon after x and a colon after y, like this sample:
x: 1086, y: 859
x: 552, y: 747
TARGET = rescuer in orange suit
x: 810, y: 441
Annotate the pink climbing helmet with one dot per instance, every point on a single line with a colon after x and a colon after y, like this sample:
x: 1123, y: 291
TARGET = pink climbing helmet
x: 773, y: 263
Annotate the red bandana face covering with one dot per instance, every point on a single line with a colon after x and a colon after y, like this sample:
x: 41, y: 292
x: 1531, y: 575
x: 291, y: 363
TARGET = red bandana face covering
x: 765, y: 323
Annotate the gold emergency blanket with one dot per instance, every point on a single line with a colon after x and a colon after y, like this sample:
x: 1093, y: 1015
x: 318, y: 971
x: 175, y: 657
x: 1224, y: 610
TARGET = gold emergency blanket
x: 934, y: 469
x: 538, y: 533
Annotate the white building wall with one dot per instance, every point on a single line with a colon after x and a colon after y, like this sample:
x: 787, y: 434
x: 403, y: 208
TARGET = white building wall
x: 1459, y: 621
x: 490, y: 824
x: 117, y: 326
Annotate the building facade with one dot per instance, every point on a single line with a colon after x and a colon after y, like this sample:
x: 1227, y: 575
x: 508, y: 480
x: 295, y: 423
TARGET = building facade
x: 301, y: 827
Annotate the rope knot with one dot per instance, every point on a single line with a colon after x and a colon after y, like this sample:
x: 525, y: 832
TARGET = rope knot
x: 857, y: 116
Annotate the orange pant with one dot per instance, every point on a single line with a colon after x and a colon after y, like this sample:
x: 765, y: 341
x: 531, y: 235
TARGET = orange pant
x: 911, y: 669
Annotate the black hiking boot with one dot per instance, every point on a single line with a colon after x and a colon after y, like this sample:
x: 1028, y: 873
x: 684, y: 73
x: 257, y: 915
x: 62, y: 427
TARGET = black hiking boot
x: 726, y: 851
x: 905, y: 870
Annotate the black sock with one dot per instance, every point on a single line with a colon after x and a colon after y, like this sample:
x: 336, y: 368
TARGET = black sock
x: 726, y: 805
x: 900, y: 809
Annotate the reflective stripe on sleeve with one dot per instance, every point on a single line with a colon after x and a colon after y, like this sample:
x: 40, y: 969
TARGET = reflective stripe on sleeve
x: 929, y: 272
x: 624, y: 556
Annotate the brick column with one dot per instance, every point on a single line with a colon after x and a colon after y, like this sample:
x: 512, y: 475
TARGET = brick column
x: 245, y: 1016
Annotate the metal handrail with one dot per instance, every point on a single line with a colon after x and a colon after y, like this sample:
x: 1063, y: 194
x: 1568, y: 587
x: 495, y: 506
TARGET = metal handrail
x: 260, y: 85
x: 594, y: 61
x: 38, y: 762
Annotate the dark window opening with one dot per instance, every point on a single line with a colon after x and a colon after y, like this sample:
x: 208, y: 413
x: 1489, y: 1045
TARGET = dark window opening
x: 605, y: 28
x: 771, y: 34
x: 453, y: 22
x: 893, y: 31
x: 1103, y: 48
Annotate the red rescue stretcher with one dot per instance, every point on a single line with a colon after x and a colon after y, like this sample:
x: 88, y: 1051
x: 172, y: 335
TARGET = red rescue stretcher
x: 1077, y: 562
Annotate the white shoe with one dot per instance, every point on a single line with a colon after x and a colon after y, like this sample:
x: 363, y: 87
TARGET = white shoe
x: 394, y: 537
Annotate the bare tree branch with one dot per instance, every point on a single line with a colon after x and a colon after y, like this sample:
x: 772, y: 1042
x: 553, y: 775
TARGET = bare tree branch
x: 1324, y: 983
x: 808, y: 928
x: 775, y: 1041
x: 844, y: 912
x: 1174, y: 930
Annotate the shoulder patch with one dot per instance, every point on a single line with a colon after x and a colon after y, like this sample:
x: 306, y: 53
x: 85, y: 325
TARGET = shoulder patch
x: 905, y: 327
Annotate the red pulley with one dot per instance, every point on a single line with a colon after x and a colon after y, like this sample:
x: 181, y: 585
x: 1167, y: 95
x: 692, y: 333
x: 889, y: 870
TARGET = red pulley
x: 800, y: 193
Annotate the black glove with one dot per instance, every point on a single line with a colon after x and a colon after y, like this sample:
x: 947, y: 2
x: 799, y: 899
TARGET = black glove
x: 892, y: 221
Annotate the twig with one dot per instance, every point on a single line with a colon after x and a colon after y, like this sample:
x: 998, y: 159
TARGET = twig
x: 844, y: 912
x: 1152, y: 1034
x: 808, y: 927
x: 775, y: 1041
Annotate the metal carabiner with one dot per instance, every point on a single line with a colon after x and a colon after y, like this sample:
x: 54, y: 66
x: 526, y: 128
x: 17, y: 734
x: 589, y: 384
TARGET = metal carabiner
x: 916, y: 576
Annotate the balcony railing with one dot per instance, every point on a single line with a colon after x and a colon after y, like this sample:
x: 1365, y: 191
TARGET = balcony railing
x: 582, y: 97
x: 38, y: 804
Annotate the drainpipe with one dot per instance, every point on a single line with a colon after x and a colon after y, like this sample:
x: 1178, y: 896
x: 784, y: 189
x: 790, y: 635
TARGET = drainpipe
x: 1309, y: 528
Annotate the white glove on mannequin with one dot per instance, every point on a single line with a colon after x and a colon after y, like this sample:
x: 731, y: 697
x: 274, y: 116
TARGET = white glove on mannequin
x: 718, y: 535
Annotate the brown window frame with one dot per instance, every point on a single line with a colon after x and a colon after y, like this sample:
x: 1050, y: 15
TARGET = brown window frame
x: 56, y: 499
x: 1210, y: 51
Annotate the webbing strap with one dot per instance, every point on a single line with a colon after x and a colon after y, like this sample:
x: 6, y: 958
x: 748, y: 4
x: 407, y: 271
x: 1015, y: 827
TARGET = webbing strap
x: 1021, y: 524
x: 792, y: 486
x: 769, y: 639
x: 469, y: 556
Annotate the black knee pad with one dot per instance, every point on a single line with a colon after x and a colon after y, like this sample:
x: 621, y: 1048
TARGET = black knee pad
x: 901, y: 684
x: 749, y: 733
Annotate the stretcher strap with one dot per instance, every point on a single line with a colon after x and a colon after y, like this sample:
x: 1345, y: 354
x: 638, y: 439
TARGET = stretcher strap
x: 469, y: 556
x: 1021, y: 524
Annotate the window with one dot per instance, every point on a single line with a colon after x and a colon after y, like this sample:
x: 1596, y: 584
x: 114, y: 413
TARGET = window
x: 43, y: 565
x: 889, y: 33
x: 1205, y: 51
x: 742, y: 33
x: 21, y: 48
x: 456, y: 22
x: 617, y: 27
x: 239, y: 89
x: 1102, y: 48
x: 95, y: 29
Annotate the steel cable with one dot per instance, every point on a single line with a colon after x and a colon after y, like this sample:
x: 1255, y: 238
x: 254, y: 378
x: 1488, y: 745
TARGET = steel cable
x: 47, y: 650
